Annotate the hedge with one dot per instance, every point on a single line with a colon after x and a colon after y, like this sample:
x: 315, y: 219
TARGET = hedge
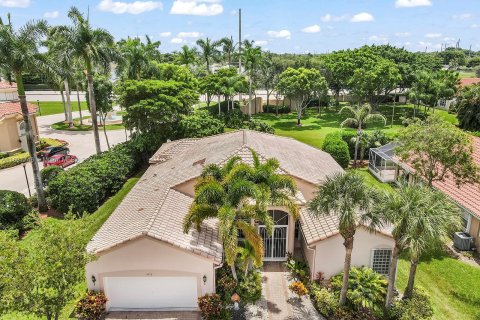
x: 200, y: 124
x: 337, y: 148
x: 14, y: 160
x: 13, y: 208
x: 273, y: 109
x: 49, y: 173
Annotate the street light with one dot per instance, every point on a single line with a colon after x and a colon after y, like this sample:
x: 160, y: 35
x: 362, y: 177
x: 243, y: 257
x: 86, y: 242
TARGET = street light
x: 26, y: 178
x: 39, y: 110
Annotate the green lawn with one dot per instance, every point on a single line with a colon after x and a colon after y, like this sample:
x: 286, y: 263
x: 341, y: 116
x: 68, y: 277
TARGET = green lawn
x: 90, y: 225
x: 55, y: 107
x: 62, y: 125
x: 315, y: 127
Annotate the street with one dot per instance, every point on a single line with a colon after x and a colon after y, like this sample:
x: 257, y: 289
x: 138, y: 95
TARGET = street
x: 81, y: 144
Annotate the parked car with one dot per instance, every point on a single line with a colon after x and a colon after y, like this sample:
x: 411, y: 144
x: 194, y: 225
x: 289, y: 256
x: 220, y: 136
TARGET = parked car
x: 60, y: 160
x: 50, y: 151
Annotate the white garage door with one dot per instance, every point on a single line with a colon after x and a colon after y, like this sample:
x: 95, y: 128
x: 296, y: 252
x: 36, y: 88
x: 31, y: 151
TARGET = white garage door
x: 151, y: 293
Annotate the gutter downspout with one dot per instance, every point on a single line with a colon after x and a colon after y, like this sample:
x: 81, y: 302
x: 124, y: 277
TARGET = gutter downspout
x: 215, y: 276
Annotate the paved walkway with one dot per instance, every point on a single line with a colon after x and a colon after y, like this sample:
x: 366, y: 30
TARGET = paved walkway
x: 144, y: 315
x: 277, y: 302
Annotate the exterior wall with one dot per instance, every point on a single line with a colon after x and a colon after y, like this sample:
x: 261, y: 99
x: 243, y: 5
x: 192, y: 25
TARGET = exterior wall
x: 330, y: 253
x: 149, y: 257
x: 8, y: 94
x: 9, y: 139
x: 474, y: 231
x: 256, y: 106
x: 308, y: 189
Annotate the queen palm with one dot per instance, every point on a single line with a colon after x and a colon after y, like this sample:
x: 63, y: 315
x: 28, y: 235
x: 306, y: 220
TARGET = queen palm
x: 252, y: 56
x: 228, y: 48
x: 208, y: 51
x: 187, y: 56
x: 94, y: 47
x: 18, y: 54
x: 347, y: 197
x: 360, y: 116
x: 237, y: 193
x: 137, y: 58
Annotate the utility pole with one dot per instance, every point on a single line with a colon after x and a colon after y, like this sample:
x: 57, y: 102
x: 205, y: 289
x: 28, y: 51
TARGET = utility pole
x: 239, y: 50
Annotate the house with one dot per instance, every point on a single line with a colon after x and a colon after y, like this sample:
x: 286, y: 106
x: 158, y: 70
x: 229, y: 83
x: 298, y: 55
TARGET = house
x: 12, y: 128
x: 146, y: 261
x: 462, y: 83
x: 466, y: 196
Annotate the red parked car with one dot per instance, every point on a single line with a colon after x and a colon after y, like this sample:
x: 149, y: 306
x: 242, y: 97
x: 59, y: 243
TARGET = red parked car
x: 60, y: 160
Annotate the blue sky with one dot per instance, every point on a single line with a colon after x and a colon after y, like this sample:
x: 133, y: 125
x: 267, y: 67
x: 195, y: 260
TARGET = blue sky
x: 295, y: 26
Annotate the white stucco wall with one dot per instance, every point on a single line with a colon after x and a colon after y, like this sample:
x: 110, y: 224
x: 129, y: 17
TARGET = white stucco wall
x: 149, y: 257
x: 330, y: 253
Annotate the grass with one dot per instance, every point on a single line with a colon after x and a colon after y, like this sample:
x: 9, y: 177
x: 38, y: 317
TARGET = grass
x: 315, y: 127
x: 62, y: 125
x: 55, y: 107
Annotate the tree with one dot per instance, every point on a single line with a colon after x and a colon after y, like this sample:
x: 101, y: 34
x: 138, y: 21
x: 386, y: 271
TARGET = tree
x: 468, y: 108
x: 208, y: 51
x: 268, y: 75
x: 208, y: 86
x: 436, y: 149
x: 103, y: 87
x: 187, y: 56
x: 94, y: 47
x: 360, y: 116
x: 350, y: 201
x: 252, y: 57
x: 301, y: 86
x: 228, y: 48
x: 237, y: 192
x: 137, y: 58
x: 229, y: 83
x: 19, y: 53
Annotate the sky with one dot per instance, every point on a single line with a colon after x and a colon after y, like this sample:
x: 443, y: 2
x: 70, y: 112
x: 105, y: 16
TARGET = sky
x: 293, y: 26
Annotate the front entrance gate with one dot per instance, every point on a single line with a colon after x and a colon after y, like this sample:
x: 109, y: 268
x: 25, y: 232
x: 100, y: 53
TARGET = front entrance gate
x: 275, y: 246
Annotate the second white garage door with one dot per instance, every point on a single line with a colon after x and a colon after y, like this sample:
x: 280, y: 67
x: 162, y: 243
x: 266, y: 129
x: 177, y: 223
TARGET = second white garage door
x: 151, y: 293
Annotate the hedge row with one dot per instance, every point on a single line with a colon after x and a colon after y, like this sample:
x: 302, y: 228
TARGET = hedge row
x: 337, y: 148
x: 14, y: 160
x: 274, y: 109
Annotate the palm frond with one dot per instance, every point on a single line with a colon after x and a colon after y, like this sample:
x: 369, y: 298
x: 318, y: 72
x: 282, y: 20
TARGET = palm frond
x: 196, y: 215
x: 251, y: 235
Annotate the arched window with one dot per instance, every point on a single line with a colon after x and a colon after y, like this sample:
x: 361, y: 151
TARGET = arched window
x: 280, y: 218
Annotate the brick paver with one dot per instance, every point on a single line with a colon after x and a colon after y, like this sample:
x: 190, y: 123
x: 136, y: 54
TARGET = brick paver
x: 153, y: 315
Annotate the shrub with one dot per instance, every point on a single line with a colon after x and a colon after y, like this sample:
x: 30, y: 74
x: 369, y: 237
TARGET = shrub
x: 48, y: 173
x: 325, y: 301
x: 298, y: 288
x: 368, y: 140
x: 31, y: 220
x: 13, y: 208
x: 337, y: 148
x: 250, y: 287
x: 3, y: 155
x: 366, y: 288
x: 298, y: 269
x: 199, y: 125
x: 91, y: 306
x: 234, y: 119
x: 273, y: 109
x: 210, y: 306
x: 418, y: 307
x: 260, y: 126
x: 14, y: 160
x: 226, y: 284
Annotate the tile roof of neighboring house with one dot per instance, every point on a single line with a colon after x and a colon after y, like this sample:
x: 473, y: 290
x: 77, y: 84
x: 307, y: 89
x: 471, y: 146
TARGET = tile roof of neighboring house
x: 7, y: 85
x: 155, y: 208
x: 13, y: 107
x: 465, y: 82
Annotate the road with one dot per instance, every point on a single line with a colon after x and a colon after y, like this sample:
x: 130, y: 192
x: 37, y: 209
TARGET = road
x: 81, y: 144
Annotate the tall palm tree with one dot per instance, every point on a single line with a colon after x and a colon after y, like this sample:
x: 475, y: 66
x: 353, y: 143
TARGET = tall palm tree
x: 228, y: 48
x: 137, y: 58
x: 252, y: 57
x: 18, y: 54
x: 187, y: 56
x: 208, y: 51
x: 360, y: 116
x: 236, y: 193
x: 350, y: 200
x: 94, y: 47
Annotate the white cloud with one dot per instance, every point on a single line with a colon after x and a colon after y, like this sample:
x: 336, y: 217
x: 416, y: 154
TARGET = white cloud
x: 362, y: 17
x: 176, y: 40
x: 433, y: 35
x: 475, y: 26
x: 51, y: 14
x: 191, y: 34
x: 285, y: 34
x: 402, y: 34
x: 312, y: 29
x: 165, y: 34
x: 331, y: 18
x: 197, y: 7
x: 14, y: 3
x: 135, y: 7
x: 261, y: 42
x: 380, y: 38
x: 449, y: 39
x: 412, y: 3
x: 463, y: 16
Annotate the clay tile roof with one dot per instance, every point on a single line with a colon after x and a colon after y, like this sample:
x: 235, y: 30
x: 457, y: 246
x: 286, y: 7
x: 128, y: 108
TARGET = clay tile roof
x: 7, y: 85
x: 465, y: 82
x: 13, y: 107
x: 155, y: 208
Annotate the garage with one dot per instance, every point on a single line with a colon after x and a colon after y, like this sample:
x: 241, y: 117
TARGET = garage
x: 151, y: 293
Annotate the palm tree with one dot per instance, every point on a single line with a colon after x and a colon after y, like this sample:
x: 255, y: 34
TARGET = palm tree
x: 228, y: 48
x: 347, y: 197
x: 252, y: 56
x: 137, y: 58
x: 236, y: 193
x: 209, y: 51
x: 79, y: 81
x: 93, y: 47
x: 187, y: 56
x: 18, y: 54
x: 360, y: 116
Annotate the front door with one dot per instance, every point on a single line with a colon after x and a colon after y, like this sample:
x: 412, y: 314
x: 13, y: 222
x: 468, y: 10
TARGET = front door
x: 275, y: 246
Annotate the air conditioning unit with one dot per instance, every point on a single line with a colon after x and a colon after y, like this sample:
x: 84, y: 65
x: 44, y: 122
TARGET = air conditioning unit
x: 462, y: 241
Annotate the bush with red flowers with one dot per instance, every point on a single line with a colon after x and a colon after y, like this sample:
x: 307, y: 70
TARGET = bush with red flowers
x: 91, y: 306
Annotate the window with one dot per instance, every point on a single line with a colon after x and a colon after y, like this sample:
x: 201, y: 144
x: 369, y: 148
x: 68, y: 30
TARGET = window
x: 465, y: 220
x: 381, y: 260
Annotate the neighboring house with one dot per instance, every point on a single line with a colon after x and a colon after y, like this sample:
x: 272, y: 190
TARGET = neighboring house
x: 462, y: 83
x: 12, y: 128
x: 467, y: 196
x: 145, y: 261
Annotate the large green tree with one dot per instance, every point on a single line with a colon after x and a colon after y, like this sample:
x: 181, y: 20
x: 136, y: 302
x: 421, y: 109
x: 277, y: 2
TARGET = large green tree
x: 346, y: 197
x: 19, y: 53
x: 103, y: 88
x: 468, y: 108
x: 252, y: 58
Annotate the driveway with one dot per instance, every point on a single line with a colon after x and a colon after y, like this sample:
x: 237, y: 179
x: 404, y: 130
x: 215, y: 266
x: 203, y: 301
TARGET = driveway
x: 153, y: 315
x: 81, y: 144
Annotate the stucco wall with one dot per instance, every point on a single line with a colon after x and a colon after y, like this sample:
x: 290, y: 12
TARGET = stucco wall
x: 149, y: 257
x: 330, y: 253
x: 9, y: 139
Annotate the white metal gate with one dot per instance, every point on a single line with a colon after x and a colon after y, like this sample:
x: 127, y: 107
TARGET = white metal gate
x: 275, y: 247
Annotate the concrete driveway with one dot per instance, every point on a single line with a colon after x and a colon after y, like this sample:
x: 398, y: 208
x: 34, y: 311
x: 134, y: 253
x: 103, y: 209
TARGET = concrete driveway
x: 160, y: 315
x: 81, y: 144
